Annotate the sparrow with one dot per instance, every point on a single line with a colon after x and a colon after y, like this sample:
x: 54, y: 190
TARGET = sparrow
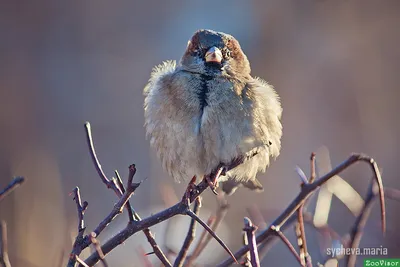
x: 208, y: 110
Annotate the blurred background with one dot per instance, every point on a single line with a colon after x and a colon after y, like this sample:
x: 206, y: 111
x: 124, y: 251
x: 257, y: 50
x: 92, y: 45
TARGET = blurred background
x: 334, y: 63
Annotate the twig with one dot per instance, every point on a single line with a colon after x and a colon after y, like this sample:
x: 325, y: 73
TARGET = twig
x: 246, y: 262
x: 117, y: 186
x: 211, y: 232
x: 180, y: 259
x: 143, y: 256
x: 81, y: 208
x: 312, y: 168
x: 200, y: 243
x: 301, y: 239
x: 181, y: 208
x: 250, y: 229
x: 80, y: 261
x: 133, y: 227
x: 286, y: 241
x: 96, y: 244
x: 356, y: 232
x: 306, y: 191
x: 300, y: 230
x: 17, y: 181
x: 4, y: 260
x: 214, y: 222
x: 132, y: 171
x: 117, y: 207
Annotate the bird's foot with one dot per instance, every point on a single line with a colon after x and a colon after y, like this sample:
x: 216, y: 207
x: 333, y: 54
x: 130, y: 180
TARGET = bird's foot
x: 213, y: 184
x: 212, y: 179
x: 189, y: 189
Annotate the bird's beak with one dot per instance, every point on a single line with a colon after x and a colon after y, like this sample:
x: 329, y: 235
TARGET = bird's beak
x: 213, y: 55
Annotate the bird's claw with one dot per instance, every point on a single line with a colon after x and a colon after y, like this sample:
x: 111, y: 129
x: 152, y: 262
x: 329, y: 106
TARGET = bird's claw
x: 212, y: 183
x: 189, y: 189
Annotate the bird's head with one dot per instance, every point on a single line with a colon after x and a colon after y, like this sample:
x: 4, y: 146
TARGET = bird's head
x: 215, y: 53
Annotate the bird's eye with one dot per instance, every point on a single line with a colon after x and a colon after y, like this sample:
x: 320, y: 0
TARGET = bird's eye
x: 196, y: 52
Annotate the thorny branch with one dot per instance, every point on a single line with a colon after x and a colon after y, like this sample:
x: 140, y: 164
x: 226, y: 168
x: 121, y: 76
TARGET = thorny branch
x: 181, y: 208
x: 263, y: 240
x: 214, y: 222
x: 180, y: 259
x: 118, y: 187
x: 286, y: 241
x: 265, y: 236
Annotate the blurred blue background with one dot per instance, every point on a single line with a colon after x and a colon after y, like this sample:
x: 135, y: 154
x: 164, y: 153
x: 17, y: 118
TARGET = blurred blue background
x: 335, y: 64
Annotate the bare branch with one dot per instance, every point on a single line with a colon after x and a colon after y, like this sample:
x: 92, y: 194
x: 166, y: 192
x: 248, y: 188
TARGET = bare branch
x: 211, y: 232
x: 286, y: 241
x: 80, y: 261
x: 17, y: 181
x: 214, y: 222
x: 96, y: 244
x: 181, y: 208
x: 356, y: 232
x: 250, y: 229
x: 81, y: 208
x: 117, y: 207
x: 180, y: 259
x: 301, y: 238
x: 117, y: 186
x: 306, y: 191
x: 131, y: 213
x: 312, y: 168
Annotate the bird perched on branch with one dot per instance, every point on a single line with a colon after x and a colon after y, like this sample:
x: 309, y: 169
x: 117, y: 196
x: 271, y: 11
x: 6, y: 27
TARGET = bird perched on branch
x: 208, y: 110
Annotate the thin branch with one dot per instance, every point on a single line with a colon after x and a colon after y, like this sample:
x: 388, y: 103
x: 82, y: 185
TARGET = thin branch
x: 96, y: 244
x: 132, y: 171
x: 211, y: 232
x: 313, y: 174
x: 214, y: 222
x: 141, y: 253
x: 305, y: 258
x: 156, y: 249
x: 356, y: 232
x: 301, y: 238
x: 180, y: 259
x: 80, y: 261
x: 4, y: 260
x: 117, y: 207
x: 17, y: 181
x: 286, y: 241
x: 200, y: 244
x: 181, y: 208
x: 117, y: 186
x: 246, y: 261
x: 81, y: 208
x: 250, y: 229
x: 306, y: 191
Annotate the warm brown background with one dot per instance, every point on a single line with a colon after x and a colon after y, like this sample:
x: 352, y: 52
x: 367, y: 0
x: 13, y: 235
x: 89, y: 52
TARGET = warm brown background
x: 335, y: 64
